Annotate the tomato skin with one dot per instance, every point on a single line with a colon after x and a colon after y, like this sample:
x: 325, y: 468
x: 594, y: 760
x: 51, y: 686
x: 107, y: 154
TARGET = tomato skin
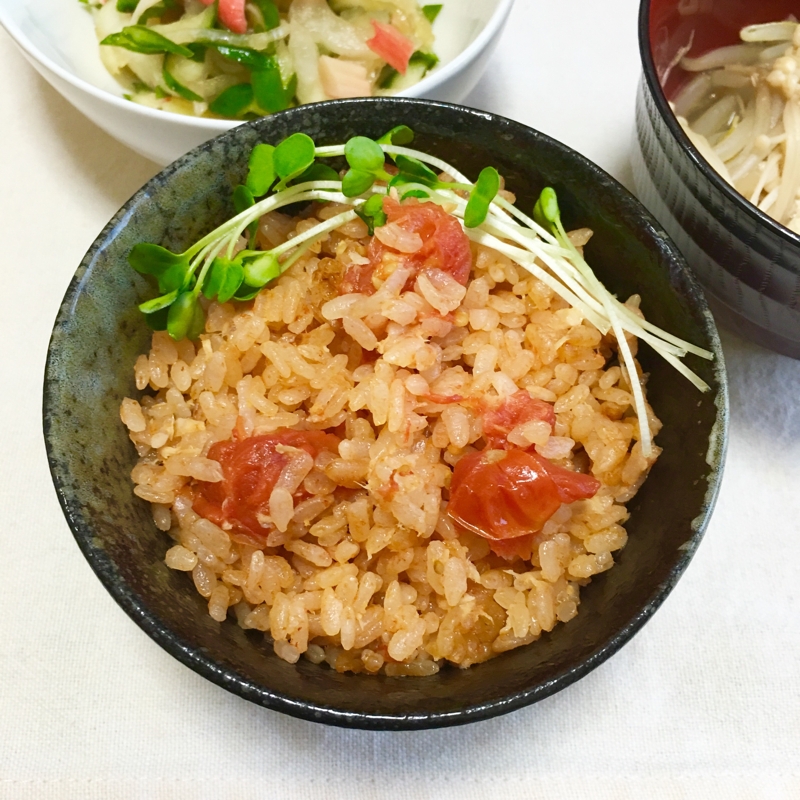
x: 251, y: 468
x: 519, y: 408
x: 388, y: 43
x: 508, y: 495
x: 358, y: 278
x: 445, y: 246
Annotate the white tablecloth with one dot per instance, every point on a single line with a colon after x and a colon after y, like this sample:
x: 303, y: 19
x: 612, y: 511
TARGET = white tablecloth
x: 703, y: 703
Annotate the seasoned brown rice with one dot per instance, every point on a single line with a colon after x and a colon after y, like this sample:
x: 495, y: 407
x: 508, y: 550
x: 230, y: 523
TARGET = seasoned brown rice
x: 369, y: 579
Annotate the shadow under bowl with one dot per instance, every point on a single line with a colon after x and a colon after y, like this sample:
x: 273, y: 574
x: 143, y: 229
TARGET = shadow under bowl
x: 748, y: 263
x: 99, y: 333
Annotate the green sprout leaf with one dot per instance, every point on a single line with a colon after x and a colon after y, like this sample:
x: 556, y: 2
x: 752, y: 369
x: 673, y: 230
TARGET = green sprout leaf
x: 431, y: 12
x: 174, y: 277
x: 356, y: 182
x: 152, y: 259
x: 399, y: 135
x: 413, y: 171
x: 259, y: 267
x: 223, y: 280
x: 215, y: 277
x: 317, y: 172
x: 127, y: 6
x: 157, y: 303
x: 546, y: 212
x: 182, y: 319
x: 364, y: 154
x: 293, y: 156
x: 372, y: 213
x: 481, y: 196
x: 246, y: 292
x: 260, y: 169
x: 242, y: 200
x: 366, y: 160
x: 141, y: 39
x: 157, y: 321
x: 234, y: 101
x: 419, y: 193
x: 234, y: 278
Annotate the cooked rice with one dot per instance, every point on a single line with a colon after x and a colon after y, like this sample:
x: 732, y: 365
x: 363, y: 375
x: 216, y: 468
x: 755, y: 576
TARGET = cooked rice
x: 370, y: 580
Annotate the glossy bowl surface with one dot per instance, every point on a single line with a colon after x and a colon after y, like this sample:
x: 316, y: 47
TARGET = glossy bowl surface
x: 99, y: 333
x: 748, y: 263
x: 57, y: 37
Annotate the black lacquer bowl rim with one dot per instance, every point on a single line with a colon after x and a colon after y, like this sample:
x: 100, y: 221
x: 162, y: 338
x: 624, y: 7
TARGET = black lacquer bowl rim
x: 740, y: 202
x: 201, y: 662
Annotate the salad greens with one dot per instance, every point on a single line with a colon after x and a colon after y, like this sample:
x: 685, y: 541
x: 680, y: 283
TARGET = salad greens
x: 141, y: 39
x: 219, y: 267
x: 182, y: 49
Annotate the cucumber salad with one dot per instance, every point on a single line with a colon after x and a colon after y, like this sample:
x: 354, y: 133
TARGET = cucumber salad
x: 242, y: 59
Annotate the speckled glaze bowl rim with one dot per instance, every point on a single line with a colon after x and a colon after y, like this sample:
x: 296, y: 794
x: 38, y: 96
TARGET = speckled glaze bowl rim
x: 662, y: 104
x: 228, y: 679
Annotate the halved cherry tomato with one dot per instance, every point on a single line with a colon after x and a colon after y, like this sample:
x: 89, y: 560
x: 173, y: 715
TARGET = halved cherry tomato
x: 251, y: 468
x: 504, y: 495
x: 517, y: 409
x: 445, y: 246
x: 388, y: 43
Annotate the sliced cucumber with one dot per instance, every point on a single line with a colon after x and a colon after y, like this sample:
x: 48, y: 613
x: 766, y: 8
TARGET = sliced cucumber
x: 174, y: 73
x: 391, y: 81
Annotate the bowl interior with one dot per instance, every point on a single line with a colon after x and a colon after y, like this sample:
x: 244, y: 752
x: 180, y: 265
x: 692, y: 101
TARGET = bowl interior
x: 706, y: 25
x: 63, y: 36
x: 99, y: 333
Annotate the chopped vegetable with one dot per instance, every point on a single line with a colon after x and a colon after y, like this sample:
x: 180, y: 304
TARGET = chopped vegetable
x: 508, y: 494
x: 742, y: 113
x: 231, y: 15
x: 394, y: 48
x: 431, y: 242
x: 431, y: 12
x: 140, y: 39
x: 251, y: 468
x: 294, y: 52
x: 342, y: 78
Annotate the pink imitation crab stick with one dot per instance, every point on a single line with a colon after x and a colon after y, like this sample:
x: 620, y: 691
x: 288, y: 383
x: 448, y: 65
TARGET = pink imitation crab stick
x: 231, y: 14
x: 394, y: 48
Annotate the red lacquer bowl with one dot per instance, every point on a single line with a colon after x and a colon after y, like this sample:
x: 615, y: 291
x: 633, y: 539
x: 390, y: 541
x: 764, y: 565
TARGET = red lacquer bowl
x: 748, y: 263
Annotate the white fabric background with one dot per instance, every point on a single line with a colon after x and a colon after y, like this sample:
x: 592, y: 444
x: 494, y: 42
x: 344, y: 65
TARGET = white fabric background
x: 703, y: 703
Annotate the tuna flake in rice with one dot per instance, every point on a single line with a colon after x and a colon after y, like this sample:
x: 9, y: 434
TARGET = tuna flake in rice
x: 301, y: 452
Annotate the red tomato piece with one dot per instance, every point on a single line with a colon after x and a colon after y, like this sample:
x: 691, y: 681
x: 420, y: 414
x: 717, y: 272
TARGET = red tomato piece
x: 519, y: 408
x: 251, y: 468
x: 231, y: 15
x: 358, y: 278
x: 394, y: 48
x: 445, y: 246
x: 507, y: 495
